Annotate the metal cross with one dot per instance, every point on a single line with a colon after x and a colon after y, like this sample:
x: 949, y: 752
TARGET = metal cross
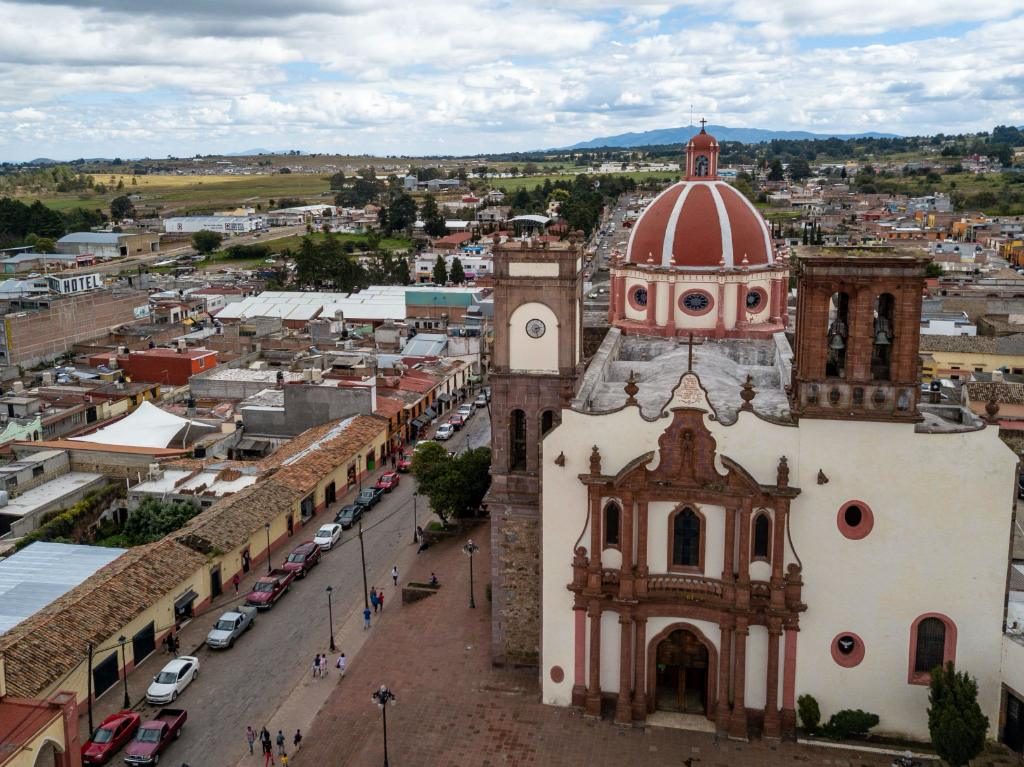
x: 703, y: 122
x: 689, y: 357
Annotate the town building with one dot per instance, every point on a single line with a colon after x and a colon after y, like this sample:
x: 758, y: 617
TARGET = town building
x: 712, y: 527
x: 171, y: 367
x: 219, y: 224
x: 107, y: 245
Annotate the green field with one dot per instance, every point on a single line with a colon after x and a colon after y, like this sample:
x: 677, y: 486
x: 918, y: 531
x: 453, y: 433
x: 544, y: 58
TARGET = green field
x: 294, y: 242
x: 529, y: 182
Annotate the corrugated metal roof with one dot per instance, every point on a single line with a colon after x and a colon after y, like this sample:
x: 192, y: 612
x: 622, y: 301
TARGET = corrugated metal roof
x: 42, y: 572
x: 93, y: 238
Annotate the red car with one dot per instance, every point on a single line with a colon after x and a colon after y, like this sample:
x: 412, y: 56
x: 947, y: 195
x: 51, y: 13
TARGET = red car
x: 405, y: 464
x: 388, y: 482
x: 268, y: 589
x: 457, y: 421
x: 113, y: 732
x: 305, y: 557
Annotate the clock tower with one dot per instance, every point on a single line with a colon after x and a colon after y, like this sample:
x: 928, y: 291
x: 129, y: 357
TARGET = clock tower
x: 535, y: 364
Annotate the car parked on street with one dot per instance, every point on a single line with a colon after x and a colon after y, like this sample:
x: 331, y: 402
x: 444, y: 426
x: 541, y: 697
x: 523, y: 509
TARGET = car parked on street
x: 369, y: 497
x: 444, y: 432
x: 388, y: 482
x: 349, y: 515
x: 173, y: 679
x: 304, y: 558
x: 405, y: 464
x: 466, y: 411
x: 327, y: 536
x: 481, y: 400
x: 271, y: 587
x: 154, y: 736
x: 113, y: 732
x: 457, y: 421
x: 230, y: 626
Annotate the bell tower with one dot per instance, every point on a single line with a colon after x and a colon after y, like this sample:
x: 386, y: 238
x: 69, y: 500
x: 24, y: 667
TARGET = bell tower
x: 535, y: 364
x: 858, y: 327
x: 702, y: 156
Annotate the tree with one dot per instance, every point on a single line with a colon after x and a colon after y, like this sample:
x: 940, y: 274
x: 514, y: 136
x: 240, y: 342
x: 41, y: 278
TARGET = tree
x: 430, y: 215
x: 458, y: 274
x: 154, y: 519
x: 955, y: 722
x: 455, y: 486
x: 401, y: 212
x: 440, y: 271
x: 122, y: 208
x: 934, y: 270
x: 206, y: 242
x: 775, y: 172
x: 337, y: 181
x: 799, y: 169
x: 44, y: 245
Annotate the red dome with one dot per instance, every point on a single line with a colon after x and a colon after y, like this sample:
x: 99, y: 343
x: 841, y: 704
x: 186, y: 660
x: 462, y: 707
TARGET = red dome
x: 702, y: 140
x: 700, y: 225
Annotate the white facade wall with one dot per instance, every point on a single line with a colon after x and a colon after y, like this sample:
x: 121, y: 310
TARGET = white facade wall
x: 941, y: 505
x: 219, y: 224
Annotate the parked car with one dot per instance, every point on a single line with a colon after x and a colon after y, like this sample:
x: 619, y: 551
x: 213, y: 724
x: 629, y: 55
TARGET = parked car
x: 173, y: 679
x: 349, y: 515
x: 268, y: 589
x: 444, y: 432
x: 481, y: 400
x: 405, y: 464
x: 327, y: 536
x: 466, y: 410
x: 388, y: 482
x: 304, y: 558
x: 457, y: 421
x: 154, y: 736
x: 230, y: 626
x: 113, y: 732
x: 369, y: 497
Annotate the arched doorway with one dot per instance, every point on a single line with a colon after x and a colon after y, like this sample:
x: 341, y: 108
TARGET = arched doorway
x: 48, y: 755
x: 682, y: 672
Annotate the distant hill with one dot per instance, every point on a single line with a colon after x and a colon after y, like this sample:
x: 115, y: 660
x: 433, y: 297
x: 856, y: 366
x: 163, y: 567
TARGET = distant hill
x: 721, y: 132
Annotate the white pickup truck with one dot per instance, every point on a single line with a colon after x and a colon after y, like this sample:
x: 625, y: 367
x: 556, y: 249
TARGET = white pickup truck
x: 230, y: 626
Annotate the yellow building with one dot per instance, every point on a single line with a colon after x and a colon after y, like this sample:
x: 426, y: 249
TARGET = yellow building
x: 38, y: 733
x: 957, y: 357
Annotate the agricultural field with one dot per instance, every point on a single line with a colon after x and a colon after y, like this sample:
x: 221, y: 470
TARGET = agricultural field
x: 529, y: 182
x: 294, y: 242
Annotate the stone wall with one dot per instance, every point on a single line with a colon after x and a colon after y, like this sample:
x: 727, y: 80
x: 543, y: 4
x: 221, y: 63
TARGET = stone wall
x: 515, y: 564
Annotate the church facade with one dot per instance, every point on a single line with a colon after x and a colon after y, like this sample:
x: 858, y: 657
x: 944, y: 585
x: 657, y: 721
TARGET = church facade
x: 711, y: 524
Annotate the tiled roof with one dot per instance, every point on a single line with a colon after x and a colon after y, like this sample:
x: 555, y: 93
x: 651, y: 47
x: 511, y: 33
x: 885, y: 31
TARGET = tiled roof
x: 304, y: 474
x: 230, y: 522
x: 1010, y: 345
x: 42, y: 649
x: 388, y: 406
x: 1003, y: 392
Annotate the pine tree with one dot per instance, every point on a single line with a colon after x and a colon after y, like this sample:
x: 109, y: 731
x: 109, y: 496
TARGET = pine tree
x: 458, y: 274
x: 955, y: 721
x: 440, y: 271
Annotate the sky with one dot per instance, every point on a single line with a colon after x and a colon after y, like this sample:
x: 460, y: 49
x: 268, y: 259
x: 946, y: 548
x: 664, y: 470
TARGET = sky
x: 152, y: 78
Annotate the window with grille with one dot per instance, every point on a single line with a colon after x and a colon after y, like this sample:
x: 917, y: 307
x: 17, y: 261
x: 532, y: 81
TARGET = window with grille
x: 686, y: 532
x: 929, y: 651
x: 517, y: 440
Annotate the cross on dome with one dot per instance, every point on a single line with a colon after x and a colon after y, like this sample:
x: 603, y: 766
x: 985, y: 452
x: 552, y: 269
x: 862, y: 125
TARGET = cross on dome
x: 703, y: 122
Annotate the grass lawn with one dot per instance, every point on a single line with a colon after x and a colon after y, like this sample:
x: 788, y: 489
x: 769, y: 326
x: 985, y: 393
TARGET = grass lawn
x: 295, y: 241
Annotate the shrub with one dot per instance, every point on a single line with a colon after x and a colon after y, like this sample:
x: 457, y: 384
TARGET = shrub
x: 955, y: 722
x: 810, y: 714
x: 849, y: 723
x: 72, y: 525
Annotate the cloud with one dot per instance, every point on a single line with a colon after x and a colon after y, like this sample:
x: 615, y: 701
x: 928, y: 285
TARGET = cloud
x: 136, y: 77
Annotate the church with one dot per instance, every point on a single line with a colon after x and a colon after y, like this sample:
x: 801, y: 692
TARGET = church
x: 707, y: 519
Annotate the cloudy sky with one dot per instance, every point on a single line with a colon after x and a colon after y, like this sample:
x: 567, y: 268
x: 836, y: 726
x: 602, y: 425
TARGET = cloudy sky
x: 156, y: 77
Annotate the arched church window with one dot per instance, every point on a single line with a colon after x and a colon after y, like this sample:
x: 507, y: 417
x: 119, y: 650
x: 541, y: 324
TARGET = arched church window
x: 686, y: 535
x: 517, y: 440
x: 881, y: 342
x: 701, y: 165
x: 547, y: 421
x: 838, y: 335
x: 612, y: 525
x: 932, y: 644
x: 762, y: 537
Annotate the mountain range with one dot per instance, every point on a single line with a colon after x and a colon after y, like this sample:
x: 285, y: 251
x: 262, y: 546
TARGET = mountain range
x: 720, y: 132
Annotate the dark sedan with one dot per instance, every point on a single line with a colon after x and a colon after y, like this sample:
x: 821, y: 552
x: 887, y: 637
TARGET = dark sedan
x: 349, y: 515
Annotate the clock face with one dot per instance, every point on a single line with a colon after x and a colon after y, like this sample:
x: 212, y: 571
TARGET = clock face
x: 535, y: 328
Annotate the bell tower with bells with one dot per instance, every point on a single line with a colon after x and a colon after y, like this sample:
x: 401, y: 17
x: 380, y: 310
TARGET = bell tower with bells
x: 858, y: 327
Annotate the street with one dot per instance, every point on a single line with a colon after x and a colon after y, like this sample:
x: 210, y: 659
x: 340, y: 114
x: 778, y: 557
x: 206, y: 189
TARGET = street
x: 246, y: 684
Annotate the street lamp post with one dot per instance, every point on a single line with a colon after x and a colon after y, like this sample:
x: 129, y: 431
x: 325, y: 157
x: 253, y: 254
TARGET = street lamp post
x: 415, y: 533
x: 362, y: 556
x: 382, y: 698
x: 359, y: 474
x: 470, y: 549
x: 330, y: 616
x: 266, y: 526
x: 124, y: 672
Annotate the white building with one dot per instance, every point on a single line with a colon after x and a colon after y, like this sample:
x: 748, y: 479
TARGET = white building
x: 219, y: 224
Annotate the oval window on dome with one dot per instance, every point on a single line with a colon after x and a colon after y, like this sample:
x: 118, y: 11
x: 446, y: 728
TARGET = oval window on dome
x: 696, y: 302
x: 756, y: 299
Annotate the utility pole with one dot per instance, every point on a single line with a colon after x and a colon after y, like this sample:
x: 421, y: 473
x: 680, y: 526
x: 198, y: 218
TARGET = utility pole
x: 92, y: 727
x: 362, y: 555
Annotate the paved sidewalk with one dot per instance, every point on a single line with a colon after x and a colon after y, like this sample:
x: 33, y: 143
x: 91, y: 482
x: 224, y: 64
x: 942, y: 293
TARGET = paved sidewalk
x: 453, y: 708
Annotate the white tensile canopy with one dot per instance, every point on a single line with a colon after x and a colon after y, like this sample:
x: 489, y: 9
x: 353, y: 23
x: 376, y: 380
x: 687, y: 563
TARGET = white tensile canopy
x: 147, y: 426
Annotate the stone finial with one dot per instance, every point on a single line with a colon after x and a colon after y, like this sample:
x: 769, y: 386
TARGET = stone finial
x: 595, y: 461
x: 992, y: 409
x: 782, y: 474
x: 631, y: 389
x: 650, y: 257
x: 822, y: 477
x: 745, y: 262
x: 747, y: 393
x: 560, y: 460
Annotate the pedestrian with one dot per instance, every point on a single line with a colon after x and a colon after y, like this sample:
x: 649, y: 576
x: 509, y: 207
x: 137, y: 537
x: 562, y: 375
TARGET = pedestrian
x: 172, y: 645
x: 374, y: 599
x: 394, y: 574
x: 250, y: 738
x: 433, y: 580
x: 316, y: 665
x: 280, y: 743
x: 366, y: 619
x: 297, y: 740
x: 265, y: 735
x: 380, y: 601
x: 268, y: 752
x: 284, y: 760
x: 323, y: 666
x: 342, y: 663
x: 235, y: 580
x: 393, y: 460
